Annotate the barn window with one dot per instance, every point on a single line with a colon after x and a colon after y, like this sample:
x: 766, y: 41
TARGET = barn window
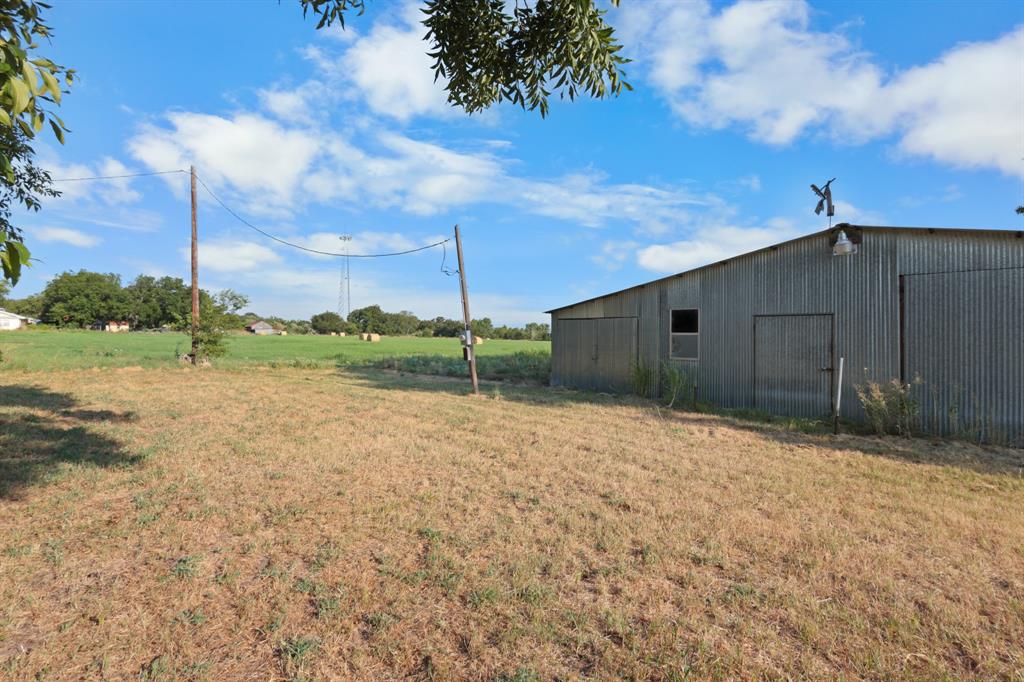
x: 684, y: 341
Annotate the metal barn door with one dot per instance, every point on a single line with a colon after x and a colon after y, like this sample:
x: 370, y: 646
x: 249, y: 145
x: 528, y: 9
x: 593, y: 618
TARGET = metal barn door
x: 596, y: 353
x: 963, y: 338
x: 793, y: 364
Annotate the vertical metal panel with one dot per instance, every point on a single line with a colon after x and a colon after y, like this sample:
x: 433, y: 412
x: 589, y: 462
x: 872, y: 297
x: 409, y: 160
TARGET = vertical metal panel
x: 965, y: 346
x: 594, y: 353
x: 799, y: 277
x: 792, y: 364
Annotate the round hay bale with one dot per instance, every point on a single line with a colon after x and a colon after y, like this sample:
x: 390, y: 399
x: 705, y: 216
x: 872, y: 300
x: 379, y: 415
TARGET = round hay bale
x: 374, y: 338
x: 364, y: 336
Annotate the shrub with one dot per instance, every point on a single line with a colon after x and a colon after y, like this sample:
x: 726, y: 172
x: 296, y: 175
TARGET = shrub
x: 889, y: 407
x: 677, y: 385
x: 643, y: 379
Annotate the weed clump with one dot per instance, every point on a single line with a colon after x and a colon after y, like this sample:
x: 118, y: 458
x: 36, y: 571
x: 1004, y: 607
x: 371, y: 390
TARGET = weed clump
x: 889, y: 407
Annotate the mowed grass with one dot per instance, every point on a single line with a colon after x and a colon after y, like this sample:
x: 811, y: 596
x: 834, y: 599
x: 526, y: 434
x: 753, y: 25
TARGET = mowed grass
x: 48, y: 349
x: 327, y: 524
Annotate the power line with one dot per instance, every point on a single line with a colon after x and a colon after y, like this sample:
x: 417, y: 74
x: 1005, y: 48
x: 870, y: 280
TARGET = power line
x: 253, y: 227
x: 117, y: 177
x: 306, y: 248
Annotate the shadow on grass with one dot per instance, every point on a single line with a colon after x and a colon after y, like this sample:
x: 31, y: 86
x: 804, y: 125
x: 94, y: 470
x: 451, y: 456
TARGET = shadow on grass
x: 785, y: 430
x: 854, y: 437
x: 33, y: 446
x: 516, y: 391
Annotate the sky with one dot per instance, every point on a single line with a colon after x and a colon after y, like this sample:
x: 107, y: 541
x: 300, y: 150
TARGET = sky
x: 916, y: 108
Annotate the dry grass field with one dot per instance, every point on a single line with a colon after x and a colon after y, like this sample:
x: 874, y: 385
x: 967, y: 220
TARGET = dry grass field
x: 342, y: 524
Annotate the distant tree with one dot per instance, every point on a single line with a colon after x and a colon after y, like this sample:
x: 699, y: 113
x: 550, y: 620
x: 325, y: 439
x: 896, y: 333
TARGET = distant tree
x: 78, y: 299
x: 369, y: 319
x: 28, y: 83
x: 482, y: 327
x: 327, y: 322
x: 538, y: 331
x: 447, y: 328
x: 402, y: 323
x: 230, y: 302
x: 158, y: 302
x: 1020, y: 210
x: 5, y: 289
x: 492, y: 50
x: 30, y: 306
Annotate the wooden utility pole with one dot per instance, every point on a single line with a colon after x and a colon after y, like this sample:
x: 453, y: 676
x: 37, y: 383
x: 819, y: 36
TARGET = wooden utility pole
x: 470, y: 349
x: 195, y: 273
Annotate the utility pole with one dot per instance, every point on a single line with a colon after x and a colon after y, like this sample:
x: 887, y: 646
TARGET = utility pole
x: 195, y: 272
x: 470, y: 350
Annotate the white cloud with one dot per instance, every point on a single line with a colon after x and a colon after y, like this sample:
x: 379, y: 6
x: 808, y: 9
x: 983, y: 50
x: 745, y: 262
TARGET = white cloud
x: 255, y: 155
x: 63, y: 234
x: 113, y: 192
x: 390, y: 68
x: 758, y: 65
x: 589, y: 200
x: 614, y: 254
x: 235, y: 256
x: 711, y: 245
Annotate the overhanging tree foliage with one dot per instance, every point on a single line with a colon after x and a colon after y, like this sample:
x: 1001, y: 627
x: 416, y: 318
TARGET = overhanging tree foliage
x: 29, y: 85
x: 489, y: 54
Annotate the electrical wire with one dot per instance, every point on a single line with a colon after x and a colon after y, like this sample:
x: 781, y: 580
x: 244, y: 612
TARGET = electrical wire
x: 444, y: 258
x: 264, y: 232
x: 118, y: 177
x: 306, y: 248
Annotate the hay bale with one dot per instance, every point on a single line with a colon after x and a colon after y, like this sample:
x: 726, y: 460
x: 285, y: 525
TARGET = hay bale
x: 334, y: 333
x: 374, y: 338
x: 364, y: 336
x: 284, y: 333
x: 477, y: 340
x: 342, y: 334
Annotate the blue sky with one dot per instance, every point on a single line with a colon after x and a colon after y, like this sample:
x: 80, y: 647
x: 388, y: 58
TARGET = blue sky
x: 916, y: 108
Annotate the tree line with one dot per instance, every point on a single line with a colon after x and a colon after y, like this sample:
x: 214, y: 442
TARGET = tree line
x: 373, y: 319
x: 81, y: 299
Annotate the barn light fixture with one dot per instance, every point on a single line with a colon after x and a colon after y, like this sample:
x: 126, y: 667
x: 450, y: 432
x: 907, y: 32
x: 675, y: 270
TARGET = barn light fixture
x: 843, y: 245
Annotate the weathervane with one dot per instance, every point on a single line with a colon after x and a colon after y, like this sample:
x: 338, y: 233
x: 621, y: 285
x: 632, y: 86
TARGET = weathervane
x: 825, y: 200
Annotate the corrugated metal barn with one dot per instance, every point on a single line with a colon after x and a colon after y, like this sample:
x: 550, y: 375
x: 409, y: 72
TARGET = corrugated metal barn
x: 766, y: 329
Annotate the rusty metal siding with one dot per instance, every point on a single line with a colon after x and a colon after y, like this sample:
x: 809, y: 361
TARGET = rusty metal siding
x: 964, y: 352
x: 802, y: 277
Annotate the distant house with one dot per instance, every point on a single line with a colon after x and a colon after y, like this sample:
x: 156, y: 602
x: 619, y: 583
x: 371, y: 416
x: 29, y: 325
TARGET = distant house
x: 260, y: 328
x: 10, y: 321
x: 113, y: 326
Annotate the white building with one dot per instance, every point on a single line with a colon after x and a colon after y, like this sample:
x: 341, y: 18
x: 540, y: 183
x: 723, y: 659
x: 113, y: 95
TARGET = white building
x: 9, y: 320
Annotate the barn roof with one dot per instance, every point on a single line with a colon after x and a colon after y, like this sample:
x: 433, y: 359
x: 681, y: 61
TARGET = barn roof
x: 834, y: 229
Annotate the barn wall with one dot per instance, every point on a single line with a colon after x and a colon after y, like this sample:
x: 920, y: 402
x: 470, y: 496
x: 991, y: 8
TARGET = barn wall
x: 801, y: 277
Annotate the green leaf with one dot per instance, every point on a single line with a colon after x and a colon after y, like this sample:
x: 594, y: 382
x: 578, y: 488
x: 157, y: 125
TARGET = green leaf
x: 51, y: 84
x: 31, y: 80
x: 19, y: 93
x: 57, y: 131
x: 5, y: 118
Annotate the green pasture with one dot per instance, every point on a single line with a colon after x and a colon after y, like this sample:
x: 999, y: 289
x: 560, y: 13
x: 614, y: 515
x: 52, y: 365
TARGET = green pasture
x: 49, y: 349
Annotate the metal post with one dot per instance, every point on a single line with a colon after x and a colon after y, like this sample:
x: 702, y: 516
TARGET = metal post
x: 195, y: 272
x: 839, y: 395
x: 345, y: 290
x: 470, y: 350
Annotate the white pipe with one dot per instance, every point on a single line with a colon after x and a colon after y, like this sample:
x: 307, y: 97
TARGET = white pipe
x: 839, y: 386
